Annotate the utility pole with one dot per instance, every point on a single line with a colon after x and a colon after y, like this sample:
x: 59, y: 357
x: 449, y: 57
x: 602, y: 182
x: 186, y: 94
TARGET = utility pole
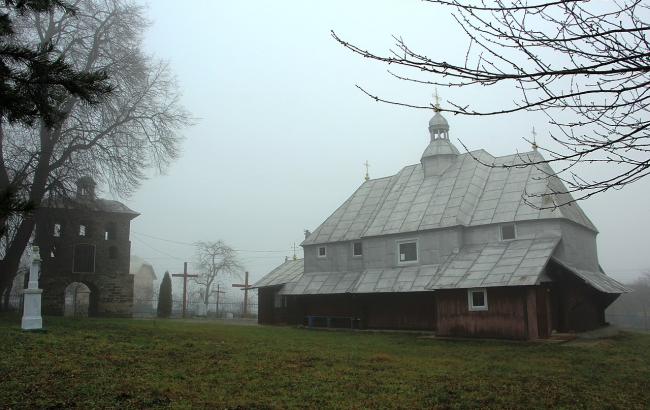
x: 245, y: 288
x: 184, y: 276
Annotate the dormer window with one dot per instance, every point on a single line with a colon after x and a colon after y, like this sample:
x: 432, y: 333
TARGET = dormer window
x: 508, y: 232
x: 322, y: 251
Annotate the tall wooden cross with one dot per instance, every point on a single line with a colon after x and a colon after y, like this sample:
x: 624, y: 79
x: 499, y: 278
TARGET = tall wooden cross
x: 245, y: 288
x: 185, y: 276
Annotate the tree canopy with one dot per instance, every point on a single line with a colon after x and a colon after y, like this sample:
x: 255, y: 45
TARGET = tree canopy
x: 584, y: 64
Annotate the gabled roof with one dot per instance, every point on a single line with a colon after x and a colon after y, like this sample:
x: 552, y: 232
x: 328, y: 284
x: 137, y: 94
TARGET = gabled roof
x: 467, y: 193
x: 288, y: 272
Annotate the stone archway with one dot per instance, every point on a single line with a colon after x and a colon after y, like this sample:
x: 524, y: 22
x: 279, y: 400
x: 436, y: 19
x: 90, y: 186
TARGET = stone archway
x: 79, y: 300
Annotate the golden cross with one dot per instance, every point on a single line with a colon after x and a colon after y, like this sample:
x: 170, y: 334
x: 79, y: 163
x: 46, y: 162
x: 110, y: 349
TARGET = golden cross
x: 367, y: 170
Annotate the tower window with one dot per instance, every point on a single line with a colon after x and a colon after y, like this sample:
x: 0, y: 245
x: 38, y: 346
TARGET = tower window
x: 109, y: 233
x: 57, y: 231
x: 322, y: 252
x: 82, y: 230
x: 357, y: 249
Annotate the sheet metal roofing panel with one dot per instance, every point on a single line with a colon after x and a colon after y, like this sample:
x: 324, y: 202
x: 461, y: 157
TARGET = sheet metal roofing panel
x: 597, y: 280
x: 321, y: 283
x: 289, y: 271
x: 468, y: 193
x: 407, y: 279
x: 350, y: 219
x: 509, y: 263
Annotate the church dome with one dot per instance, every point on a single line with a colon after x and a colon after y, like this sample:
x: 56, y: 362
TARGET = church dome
x: 438, y: 122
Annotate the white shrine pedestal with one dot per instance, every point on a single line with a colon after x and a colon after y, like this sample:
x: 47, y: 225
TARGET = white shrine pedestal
x: 32, y: 319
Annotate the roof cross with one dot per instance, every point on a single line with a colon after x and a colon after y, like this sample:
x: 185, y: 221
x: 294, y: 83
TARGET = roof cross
x: 367, y: 165
x: 436, y: 106
x: 534, y: 139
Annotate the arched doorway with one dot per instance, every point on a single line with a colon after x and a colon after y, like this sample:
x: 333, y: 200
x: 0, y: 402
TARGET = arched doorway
x: 77, y: 300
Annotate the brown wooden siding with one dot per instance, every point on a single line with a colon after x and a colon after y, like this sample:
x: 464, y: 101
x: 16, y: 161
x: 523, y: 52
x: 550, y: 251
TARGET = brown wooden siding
x: 506, y: 317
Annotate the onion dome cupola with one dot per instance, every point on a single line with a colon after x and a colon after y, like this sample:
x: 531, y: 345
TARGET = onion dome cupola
x: 440, y: 153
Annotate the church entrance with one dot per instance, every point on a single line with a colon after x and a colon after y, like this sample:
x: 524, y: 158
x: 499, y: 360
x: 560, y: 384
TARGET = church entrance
x: 77, y: 300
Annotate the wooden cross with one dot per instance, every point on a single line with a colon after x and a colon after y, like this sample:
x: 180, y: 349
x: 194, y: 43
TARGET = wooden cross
x: 245, y: 286
x: 184, y: 275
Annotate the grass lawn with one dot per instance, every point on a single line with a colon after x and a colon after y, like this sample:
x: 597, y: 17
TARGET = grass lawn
x: 98, y: 363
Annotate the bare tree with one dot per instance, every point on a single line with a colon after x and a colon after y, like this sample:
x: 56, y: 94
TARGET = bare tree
x: 214, y: 259
x: 135, y: 128
x: 585, y: 64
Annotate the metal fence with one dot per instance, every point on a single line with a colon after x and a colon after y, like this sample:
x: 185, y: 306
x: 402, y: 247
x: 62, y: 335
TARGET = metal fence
x: 224, y: 310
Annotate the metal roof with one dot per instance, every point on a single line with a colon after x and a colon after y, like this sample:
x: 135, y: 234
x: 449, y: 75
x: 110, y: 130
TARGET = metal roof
x: 289, y: 271
x: 322, y: 283
x: 597, y: 280
x: 407, y: 279
x: 467, y: 193
x: 508, y: 263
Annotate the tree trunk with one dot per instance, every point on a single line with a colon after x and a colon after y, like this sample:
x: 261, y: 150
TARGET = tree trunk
x: 9, y: 265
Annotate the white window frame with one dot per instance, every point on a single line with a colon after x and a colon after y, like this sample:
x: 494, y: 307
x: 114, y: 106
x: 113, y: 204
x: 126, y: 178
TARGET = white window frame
x: 354, y: 255
x: 417, y: 251
x: 514, y: 227
x: 470, y: 300
x: 318, y: 252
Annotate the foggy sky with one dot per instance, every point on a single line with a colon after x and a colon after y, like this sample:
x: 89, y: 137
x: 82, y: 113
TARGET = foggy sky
x: 282, y: 132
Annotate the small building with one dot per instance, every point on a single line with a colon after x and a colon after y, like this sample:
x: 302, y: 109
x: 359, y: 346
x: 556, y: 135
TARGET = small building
x: 144, y: 276
x: 85, y: 249
x: 453, y: 246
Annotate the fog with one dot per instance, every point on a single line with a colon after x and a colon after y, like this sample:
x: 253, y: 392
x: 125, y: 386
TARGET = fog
x: 282, y: 133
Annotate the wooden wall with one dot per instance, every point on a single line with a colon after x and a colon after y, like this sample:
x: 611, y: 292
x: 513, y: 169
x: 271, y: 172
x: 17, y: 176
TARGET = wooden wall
x: 507, y: 315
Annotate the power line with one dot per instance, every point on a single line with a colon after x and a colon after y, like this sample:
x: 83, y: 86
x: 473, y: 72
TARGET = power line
x: 193, y: 244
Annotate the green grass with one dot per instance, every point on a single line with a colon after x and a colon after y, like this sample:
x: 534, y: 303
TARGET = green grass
x: 149, y: 364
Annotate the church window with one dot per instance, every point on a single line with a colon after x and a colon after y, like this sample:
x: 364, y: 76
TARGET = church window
x: 407, y: 251
x: 357, y: 249
x: 82, y: 230
x: 57, y: 231
x: 322, y: 252
x: 84, y: 258
x: 508, y: 232
x: 477, y: 299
